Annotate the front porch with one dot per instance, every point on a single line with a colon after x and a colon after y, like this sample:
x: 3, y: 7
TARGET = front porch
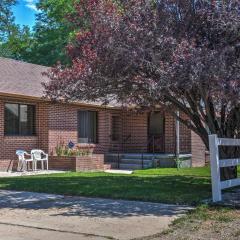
x: 161, y: 141
x: 154, y: 132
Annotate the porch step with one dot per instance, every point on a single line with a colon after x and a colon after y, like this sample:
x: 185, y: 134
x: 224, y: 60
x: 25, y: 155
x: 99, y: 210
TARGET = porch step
x: 131, y: 166
x: 137, y: 156
x: 136, y: 161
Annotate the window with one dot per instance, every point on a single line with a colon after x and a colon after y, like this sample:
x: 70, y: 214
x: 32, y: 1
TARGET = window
x: 19, y: 119
x: 87, y: 127
x: 116, y: 124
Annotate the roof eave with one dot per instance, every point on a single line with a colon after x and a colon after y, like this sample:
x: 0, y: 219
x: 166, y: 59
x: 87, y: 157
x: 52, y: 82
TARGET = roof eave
x: 40, y: 99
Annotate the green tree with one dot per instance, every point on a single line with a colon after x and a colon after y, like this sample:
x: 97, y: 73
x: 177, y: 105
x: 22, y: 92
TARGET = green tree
x: 19, y: 43
x: 6, y: 19
x: 52, y: 32
x: 46, y: 44
x: 6, y: 26
x: 15, y: 41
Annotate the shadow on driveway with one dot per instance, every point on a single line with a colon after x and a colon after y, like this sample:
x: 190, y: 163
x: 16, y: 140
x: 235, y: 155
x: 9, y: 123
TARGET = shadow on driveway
x: 87, y: 207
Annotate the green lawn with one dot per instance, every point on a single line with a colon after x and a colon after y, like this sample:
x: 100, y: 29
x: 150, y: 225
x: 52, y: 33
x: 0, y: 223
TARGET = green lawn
x: 167, y: 185
x: 204, y: 222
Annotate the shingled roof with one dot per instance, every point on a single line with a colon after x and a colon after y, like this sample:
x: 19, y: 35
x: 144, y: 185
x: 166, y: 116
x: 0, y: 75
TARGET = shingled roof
x: 25, y: 80
x: 20, y: 78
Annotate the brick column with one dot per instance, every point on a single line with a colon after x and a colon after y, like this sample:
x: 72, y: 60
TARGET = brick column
x: 1, y: 129
x: 42, y: 126
x: 198, y: 150
x: 170, y: 136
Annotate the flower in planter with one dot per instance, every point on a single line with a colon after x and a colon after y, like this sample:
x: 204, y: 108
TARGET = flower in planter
x: 59, y: 149
x: 71, y: 145
x: 72, y: 150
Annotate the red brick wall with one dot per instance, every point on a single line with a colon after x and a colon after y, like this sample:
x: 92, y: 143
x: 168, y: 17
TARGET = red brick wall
x: 62, y: 163
x: 185, y: 138
x: 94, y: 162
x: 2, y: 165
x: 42, y: 122
x: 170, y: 134
x: 62, y: 124
x: 56, y: 122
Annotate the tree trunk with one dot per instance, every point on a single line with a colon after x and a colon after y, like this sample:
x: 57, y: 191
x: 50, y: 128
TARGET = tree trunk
x: 228, y: 173
x: 227, y: 153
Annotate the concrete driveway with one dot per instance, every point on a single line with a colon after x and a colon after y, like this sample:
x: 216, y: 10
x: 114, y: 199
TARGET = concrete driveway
x: 31, y: 216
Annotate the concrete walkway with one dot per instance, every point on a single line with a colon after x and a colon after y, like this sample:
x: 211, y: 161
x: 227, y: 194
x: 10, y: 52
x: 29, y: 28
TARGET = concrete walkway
x: 119, y: 171
x: 29, y: 173
x: 27, y: 216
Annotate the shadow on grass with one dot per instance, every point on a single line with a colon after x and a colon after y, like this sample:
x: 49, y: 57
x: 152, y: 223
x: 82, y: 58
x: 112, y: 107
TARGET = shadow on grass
x: 164, y: 189
x: 167, y: 189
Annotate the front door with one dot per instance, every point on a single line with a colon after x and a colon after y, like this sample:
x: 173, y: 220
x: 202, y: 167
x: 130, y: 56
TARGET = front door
x: 115, y: 134
x: 156, y: 125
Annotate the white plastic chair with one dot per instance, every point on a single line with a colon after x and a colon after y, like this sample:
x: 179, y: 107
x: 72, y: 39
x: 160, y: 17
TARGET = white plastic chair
x: 39, y: 155
x: 23, y: 161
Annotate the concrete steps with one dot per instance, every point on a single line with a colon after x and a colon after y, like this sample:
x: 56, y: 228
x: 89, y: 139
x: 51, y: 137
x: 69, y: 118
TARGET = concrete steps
x: 135, y: 161
x: 138, y: 156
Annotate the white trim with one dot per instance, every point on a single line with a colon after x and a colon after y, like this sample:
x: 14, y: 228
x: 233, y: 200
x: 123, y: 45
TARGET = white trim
x: 229, y: 162
x: 230, y: 183
x: 228, y: 142
x: 215, y: 168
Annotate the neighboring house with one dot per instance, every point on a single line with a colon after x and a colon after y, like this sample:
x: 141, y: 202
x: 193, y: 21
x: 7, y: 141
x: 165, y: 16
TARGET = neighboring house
x: 28, y: 121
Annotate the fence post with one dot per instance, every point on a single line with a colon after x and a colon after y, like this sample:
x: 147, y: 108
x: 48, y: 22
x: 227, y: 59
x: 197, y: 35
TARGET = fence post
x: 215, y: 169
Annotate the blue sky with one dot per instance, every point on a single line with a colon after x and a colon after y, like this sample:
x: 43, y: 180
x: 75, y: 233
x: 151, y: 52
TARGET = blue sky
x: 25, y: 11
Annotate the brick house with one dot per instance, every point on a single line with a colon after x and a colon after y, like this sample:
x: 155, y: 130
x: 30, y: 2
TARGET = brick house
x: 28, y: 121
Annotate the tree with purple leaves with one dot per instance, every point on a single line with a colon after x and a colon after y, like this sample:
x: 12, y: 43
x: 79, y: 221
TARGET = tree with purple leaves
x: 183, y: 55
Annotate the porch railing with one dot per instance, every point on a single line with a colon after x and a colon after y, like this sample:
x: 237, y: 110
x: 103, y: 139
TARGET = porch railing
x: 140, y: 148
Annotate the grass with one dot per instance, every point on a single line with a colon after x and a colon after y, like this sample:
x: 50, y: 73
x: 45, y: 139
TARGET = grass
x: 204, y: 213
x: 204, y: 222
x: 167, y: 185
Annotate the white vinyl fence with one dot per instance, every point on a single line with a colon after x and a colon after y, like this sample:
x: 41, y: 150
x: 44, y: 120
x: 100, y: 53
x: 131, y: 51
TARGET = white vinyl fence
x: 216, y: 164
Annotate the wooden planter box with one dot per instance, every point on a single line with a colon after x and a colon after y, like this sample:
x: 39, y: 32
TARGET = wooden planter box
x: 84, y: 163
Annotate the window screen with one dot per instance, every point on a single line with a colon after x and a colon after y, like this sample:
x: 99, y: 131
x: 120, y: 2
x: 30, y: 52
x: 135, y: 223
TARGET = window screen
x: 87, y: 127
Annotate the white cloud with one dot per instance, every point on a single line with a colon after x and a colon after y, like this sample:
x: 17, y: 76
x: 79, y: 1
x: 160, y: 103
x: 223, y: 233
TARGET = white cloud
x: 31, y: 4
